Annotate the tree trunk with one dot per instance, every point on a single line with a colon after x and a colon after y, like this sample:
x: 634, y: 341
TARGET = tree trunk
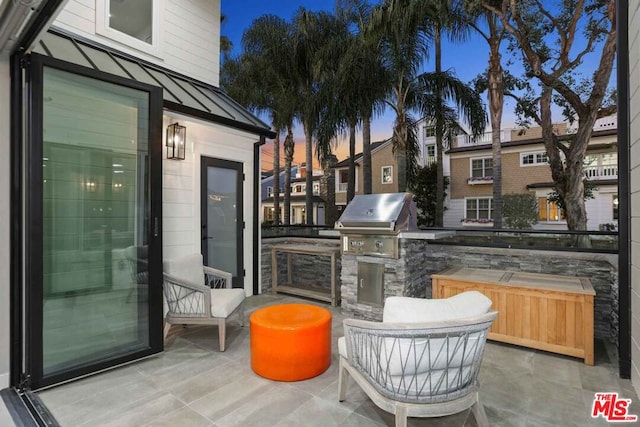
x: 366, y: 155
x: 400, y: 147
x: 351, y: 179
x: 276, y: 178
x: 439, y: 218
x: 496, y: 104
x: 568, y: 175
x: 308, y: 174
x: 328, y: 190
x: 288, y: 152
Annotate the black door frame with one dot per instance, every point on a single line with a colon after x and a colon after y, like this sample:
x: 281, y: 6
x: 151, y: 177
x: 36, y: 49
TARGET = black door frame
x: 205, y: 162
x: 32, y: 313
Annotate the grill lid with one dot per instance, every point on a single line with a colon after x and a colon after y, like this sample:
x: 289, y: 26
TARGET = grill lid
x: 392, y: 212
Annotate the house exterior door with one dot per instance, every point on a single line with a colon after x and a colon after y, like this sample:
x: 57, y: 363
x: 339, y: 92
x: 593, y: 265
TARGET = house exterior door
x: 222, y: 216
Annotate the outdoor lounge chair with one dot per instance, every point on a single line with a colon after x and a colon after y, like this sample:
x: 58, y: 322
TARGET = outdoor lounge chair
x: 201, y: 295
x: 425, y: 369
x: 138, y: 260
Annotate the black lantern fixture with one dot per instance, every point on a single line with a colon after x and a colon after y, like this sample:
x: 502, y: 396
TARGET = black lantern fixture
x: 176, y: 139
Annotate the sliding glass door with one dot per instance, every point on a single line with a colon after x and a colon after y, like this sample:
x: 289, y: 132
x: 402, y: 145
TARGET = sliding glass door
x: 94, y: 270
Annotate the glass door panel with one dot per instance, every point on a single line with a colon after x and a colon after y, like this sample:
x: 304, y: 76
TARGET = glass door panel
x: 222, y: 217
x: 95, y: 222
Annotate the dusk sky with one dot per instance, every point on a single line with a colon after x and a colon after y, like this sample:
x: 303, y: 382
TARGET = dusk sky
x: 466, y: 60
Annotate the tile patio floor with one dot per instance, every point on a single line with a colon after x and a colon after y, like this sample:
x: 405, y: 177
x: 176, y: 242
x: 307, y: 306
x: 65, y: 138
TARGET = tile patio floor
x: 192, y: 384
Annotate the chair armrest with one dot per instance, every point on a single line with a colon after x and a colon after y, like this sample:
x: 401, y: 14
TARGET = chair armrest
x: 217, y: 277
x: 185, y: 284
x: 187, y: 298
x: 422, y: 326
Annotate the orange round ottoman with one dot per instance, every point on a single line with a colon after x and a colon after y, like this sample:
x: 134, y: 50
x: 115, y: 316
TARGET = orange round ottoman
x: 290, y: 342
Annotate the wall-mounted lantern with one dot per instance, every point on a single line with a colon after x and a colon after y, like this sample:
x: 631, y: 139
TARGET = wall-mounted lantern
x: 176, y: 139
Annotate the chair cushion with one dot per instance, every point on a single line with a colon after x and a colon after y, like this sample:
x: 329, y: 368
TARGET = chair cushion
x: 188, y: 268
x: 342, y: 347
x: 418, y: 310
x: 224, y: 301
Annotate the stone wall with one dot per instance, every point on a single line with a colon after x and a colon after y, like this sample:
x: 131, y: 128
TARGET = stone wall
x: 601, y: 269
x: 400, y: 279
x: 307, y: 270
x: 413, y: 277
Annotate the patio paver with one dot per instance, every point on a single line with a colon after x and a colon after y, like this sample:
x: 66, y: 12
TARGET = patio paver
x: 192, y: 384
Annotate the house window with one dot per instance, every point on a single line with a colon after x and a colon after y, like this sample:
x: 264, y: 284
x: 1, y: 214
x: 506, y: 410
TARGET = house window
x: 481, y: 167
x: 387, y: 174
x: 431, y: 153
x: 615, y: 207
x: 534, y: 158
x: 269, y: 191
x: 429, y: 131
x: 343, y: 179
x: 479, y: 208
x: 549, y: 211
x: 316, y: 188
x: 131, y: 22
x: 269, y: 213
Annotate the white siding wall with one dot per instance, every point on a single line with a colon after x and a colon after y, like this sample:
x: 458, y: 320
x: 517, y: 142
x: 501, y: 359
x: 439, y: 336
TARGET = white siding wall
x: 634, y: 131
x: 181, y: 187
x: 5, y: 83
x: 189, y: 35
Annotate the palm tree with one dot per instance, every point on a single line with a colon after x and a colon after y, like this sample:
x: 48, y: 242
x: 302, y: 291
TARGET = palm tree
x: 266, y: 84
x: 399, y: 24
x: 363, y: 75
x: 312, y: 31
x: 494, y: 83
x: 447, y: 19
x: 444, y: 100
x: 225, y: 44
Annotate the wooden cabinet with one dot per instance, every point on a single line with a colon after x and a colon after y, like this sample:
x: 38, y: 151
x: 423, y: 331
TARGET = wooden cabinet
x: 543, y: 311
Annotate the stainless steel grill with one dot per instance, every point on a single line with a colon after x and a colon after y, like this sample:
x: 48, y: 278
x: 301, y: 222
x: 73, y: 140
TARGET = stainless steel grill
x: 370, y: 224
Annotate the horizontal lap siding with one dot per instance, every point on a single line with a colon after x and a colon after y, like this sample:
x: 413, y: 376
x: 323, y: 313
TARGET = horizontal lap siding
x: 189, y: 33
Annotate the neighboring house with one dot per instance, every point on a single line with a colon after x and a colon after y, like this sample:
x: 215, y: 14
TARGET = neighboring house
x: 266, y: 185
x: 98, y: 199
x: 525, y: 170
x: 384, y: 173
x: 298, y: 198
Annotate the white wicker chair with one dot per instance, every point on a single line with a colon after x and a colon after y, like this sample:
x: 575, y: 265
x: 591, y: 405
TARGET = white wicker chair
x: 416, y: 369
x: 201, y: 295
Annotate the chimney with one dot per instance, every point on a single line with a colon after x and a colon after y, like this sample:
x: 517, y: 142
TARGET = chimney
x: 303, y: 170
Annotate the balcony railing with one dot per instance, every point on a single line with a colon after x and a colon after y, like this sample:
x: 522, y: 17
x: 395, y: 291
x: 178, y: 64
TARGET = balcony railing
x: 342, y: 187
x: 601, y: 172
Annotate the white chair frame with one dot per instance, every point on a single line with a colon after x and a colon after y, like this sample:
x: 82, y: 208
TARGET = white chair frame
x: 460, y: 344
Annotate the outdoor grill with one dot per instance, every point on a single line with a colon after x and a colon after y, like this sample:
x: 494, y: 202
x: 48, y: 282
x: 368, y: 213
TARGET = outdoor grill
x: 369, y: 229
x: 370, y: 224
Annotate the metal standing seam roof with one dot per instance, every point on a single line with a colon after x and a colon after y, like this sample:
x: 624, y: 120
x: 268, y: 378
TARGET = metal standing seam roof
x: 180, y: 93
